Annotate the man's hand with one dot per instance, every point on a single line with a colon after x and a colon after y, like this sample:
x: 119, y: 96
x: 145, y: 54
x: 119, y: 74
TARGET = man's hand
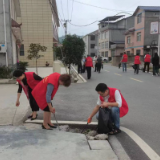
x: 52, y: 110
x: 89, y: 120
x: 17, y: 103
x: 104, y: 104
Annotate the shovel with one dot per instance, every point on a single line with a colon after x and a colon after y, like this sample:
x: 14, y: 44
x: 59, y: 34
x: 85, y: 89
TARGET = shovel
x: 57, y: 122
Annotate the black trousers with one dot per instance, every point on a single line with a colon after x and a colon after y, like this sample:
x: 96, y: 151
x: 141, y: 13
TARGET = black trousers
x: 88, y: 72
x: 80, y: 68
x: 136, y: 70
x: 99, y: 67
x: 146, y: 64
x: 96, y: 67
x: 32, y: 102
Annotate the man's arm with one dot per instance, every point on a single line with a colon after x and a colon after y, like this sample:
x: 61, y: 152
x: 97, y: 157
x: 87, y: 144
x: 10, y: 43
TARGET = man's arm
x: 95, y: 110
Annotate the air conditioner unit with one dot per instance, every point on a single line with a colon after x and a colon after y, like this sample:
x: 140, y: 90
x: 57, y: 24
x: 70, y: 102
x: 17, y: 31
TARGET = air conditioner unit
x: 2, y: 48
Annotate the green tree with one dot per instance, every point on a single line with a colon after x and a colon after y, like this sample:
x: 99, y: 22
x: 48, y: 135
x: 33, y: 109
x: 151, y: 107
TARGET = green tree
x: 34, y: 50
x: 72, y: 50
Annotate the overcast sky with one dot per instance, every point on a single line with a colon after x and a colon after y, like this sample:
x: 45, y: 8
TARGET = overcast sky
x: 84, y: 14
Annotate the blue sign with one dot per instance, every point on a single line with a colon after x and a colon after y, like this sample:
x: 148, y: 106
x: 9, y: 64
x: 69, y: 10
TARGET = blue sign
x: 3, y: 45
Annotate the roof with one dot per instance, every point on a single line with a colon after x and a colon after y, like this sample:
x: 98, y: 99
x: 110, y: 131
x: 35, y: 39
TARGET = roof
x: 112, y: 18
x: 92, y: 33
x: 147, y: 8
x: 131, y: 30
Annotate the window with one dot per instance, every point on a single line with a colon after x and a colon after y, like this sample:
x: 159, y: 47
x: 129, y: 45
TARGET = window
x: 128, y: 40
x: 106, y: 54
x: 128, y: 52
x: 138, y: 51
x: 22, y: 50
x: 102, y: 54
x: 103, y: 45
x: 139, y: 18
x: 92, y: 37
x: 139, y: 36
x: 92, y: 45
x: 106, y: 44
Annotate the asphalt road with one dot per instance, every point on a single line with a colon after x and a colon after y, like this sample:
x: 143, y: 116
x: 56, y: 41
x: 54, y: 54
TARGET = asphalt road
x: 142, y: 93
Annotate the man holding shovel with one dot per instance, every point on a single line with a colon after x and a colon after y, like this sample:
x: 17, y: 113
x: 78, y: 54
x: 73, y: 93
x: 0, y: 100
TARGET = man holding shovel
x: 44, y: 93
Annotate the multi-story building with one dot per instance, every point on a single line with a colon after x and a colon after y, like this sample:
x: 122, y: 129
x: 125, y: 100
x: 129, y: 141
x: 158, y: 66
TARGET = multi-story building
x: 91, y: 43
x: 111, y: 35
x: 40, y: 25
x: 10, y: 32
x: 139, y: 39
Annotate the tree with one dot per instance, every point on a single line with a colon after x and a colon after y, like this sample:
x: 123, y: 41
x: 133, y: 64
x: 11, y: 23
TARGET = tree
x: 34, y: 50
x: 72, y: 50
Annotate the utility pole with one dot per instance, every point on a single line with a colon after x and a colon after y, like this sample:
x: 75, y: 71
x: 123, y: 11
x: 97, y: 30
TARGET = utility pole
x: 65, y: 25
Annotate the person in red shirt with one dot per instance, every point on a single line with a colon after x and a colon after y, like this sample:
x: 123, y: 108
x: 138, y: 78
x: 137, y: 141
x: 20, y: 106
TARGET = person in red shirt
x: 147, y: 60
x: 89, y: 64
x: 112, y: 99
x: 137, y: 62
x: 124, y: 62
x: 44, y: 93
x: 27, y: 81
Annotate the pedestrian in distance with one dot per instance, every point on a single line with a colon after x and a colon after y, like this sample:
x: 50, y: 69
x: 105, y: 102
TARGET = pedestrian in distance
x: 95, y: 63
x: 80, y: 68
x: 99, y: 64
x: 147, y: 61
x: 89, y: 64
x: 27, y: 81
x: 124, y: 61
x: 155, y: 62
x: 137, y: 62
x: 83, y: 64
x: 44, y: 93
x: 110, y: 98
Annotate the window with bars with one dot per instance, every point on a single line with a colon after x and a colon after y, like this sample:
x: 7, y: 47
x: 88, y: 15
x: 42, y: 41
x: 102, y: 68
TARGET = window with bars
x: 138, y: 51
x: 92, y: 37
x: 92, y: 45
x: 139, y: 36
x: 106, y: 44
x: 139, y: 18
x: 128, y: 40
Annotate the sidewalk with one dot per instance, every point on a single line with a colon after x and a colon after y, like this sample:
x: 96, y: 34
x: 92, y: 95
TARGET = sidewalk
x: 19, y: 143
x: 10, y: 114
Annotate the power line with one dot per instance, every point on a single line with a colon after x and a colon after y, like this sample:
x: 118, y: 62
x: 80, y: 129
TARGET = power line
x: 72, y: 9
x: 83, y: 25
x: 114, y: 10
x: 62, y: 9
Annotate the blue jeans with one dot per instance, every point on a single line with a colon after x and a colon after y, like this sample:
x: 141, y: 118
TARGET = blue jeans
x: 115, y: 115
x: 124, y: 67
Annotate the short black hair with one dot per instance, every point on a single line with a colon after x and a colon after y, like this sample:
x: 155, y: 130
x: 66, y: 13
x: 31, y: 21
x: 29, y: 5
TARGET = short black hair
x: 101, y: 87
x: 17, y: 73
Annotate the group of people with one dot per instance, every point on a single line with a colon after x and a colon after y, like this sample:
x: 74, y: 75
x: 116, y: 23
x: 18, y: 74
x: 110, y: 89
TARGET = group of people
x: 88, y: 63
x: 147, y: 60
x: 41, y: 91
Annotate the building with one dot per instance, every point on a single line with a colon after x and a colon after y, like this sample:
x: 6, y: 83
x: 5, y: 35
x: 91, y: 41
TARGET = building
x: 111, y: 35
x: 39, y: 25
x: 91, y: 43
x: 138, y: 39
x: 10, y: 32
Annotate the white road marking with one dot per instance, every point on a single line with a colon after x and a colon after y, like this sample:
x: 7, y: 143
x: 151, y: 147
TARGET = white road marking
x: 117, y: 74
x: 142, y: 144
x: 107, y: 71
x: 136, y: 80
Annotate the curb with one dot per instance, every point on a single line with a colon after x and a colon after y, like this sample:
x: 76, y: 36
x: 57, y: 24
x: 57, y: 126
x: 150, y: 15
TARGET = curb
x: 63, y: 122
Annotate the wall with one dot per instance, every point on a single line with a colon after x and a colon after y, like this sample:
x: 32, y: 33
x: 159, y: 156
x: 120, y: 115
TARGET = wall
x: 150, y: 17
x: 37, y: 27
x: 92, y: 50
x: 116, y: 35
x: 8, y: 30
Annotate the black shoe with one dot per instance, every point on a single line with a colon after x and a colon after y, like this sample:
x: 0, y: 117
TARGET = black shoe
x: 46, y: 128
x: 29, y: 116
x: 34, y: 118
x: 52, y: 126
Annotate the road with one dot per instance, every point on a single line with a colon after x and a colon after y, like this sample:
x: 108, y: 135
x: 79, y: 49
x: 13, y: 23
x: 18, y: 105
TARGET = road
x: 142, y: 93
